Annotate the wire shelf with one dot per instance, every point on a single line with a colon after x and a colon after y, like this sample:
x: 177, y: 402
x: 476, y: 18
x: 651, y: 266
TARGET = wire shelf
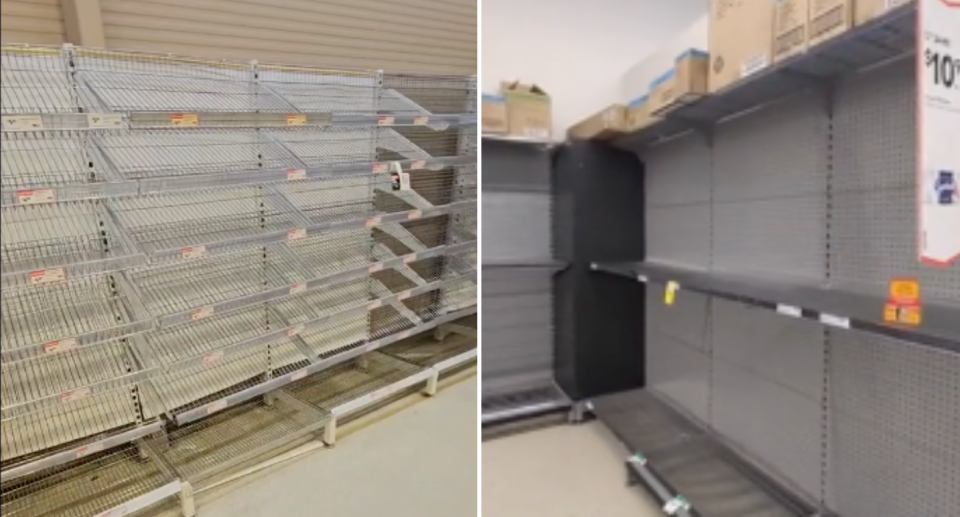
x: 31, y: 160
x: 319, y: 147
x: 78, y: 235
x: 90, y: 486
x: 163, y: 225
x: 127, y: 81
x: 221, y: 375
x: 427, y: 351
x: 181, y: 237
x: 35, y: 80
x: 87, y: 309
x: 329, y: 253
x: 203, y: 341
x: 319, y: 90
x: 238, y: 434
x: 49, y: 377
x: 200, y: 284
x: 406, y: 92
x: 74, y: 415
x: 349, y: 381
x: 166, y: 153
x: 341, y: 334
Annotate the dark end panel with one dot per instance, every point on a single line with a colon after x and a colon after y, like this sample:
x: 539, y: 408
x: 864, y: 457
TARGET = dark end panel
x: 598, y: 204
x: 600, y: 333
x: 598, y: 201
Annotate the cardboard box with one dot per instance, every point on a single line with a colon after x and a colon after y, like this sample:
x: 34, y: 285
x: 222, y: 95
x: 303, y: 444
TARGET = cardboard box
x: 636, y: 81
x: 609, y: 123
x: 685, y: 82
x: 829, y: 19
x: 638, y: 114
x: 528, y: 110
x: 493, y: 113
x: 741, y: 40
x: 790, y: 24
x: 866, y: 10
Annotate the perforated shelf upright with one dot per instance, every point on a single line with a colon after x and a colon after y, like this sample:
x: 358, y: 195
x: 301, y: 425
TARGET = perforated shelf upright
x: 777, y: 212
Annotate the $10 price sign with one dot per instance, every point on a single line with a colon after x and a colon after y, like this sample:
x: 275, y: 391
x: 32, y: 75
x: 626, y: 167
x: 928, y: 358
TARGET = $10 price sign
x: 939, y: 117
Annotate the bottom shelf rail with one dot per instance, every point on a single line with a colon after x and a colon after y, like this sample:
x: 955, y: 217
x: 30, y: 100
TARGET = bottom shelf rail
x: 686, y: 467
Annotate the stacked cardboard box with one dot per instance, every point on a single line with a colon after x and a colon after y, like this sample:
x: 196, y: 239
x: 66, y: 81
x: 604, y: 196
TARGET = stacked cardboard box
x: 829, y: 19
x: 638, y: 114
x: 529, y: 111
x: 685, y: 82
x: 867, y: 10
x: 608, y: 124
x: 493, y: 114
x: 740, y: 40
x: 790, y: 34
x: 636, y: 82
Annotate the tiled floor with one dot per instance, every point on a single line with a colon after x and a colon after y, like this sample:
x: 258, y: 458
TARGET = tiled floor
x: 561, y: 471
x: 420, y: 462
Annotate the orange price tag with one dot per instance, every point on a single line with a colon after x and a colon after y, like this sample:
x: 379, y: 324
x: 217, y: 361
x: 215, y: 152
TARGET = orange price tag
x: 31, y: 197
x: 184, y: 120
x: 904, y: 305
x: 48, y: 276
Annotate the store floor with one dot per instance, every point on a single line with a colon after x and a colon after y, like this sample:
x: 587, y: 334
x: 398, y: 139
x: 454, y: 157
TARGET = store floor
x: 420, y: 462
x: 560, y: 471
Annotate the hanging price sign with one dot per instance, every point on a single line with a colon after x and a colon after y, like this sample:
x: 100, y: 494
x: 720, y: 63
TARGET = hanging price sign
x: 938, y: 75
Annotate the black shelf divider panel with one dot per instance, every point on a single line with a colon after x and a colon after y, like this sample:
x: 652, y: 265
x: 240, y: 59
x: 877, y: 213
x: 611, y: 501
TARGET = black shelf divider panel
x: 598, y: 194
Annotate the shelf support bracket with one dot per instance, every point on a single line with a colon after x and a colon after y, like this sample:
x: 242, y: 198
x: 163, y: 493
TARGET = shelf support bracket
x: 188, y: 506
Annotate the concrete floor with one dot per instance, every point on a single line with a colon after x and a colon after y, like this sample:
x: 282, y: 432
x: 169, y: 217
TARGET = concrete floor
x: 561, y: 471
x: 420, y: 462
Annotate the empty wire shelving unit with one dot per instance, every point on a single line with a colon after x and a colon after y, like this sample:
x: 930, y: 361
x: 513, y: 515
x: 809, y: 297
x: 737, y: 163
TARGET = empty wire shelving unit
x: 184, y: 238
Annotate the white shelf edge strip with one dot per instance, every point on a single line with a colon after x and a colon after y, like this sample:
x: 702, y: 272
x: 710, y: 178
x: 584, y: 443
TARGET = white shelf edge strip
x: 456, y: 360
x: 67, y: 456
x: 380, y: 394
x: 144, y: 501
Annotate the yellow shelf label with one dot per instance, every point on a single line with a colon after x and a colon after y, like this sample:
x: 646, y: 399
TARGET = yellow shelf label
x: 670, y: 293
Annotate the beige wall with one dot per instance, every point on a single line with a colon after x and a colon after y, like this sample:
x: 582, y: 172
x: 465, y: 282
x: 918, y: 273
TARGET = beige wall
x: 38, y: 22
x: 436, y: 36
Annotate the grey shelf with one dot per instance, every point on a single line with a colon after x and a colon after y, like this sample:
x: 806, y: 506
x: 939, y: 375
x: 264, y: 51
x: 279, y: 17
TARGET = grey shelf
x: 886, y: 38
x: 673, y: 457
x: 520, y: 264
x: 939, y: 329
x: 518, y: 404
x: 520, y: 140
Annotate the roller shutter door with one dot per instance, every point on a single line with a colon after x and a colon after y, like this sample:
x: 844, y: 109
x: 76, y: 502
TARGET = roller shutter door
x: 37, y: 22
x: 431, y: 36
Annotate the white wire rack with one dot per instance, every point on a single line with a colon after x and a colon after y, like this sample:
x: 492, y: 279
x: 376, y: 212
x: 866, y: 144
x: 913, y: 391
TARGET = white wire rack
x: 182, y: 237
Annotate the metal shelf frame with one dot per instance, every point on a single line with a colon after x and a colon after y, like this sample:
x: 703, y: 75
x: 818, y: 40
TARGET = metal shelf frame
x: 68, y: 87
x: 186, y: 235
x: 776, y: 213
